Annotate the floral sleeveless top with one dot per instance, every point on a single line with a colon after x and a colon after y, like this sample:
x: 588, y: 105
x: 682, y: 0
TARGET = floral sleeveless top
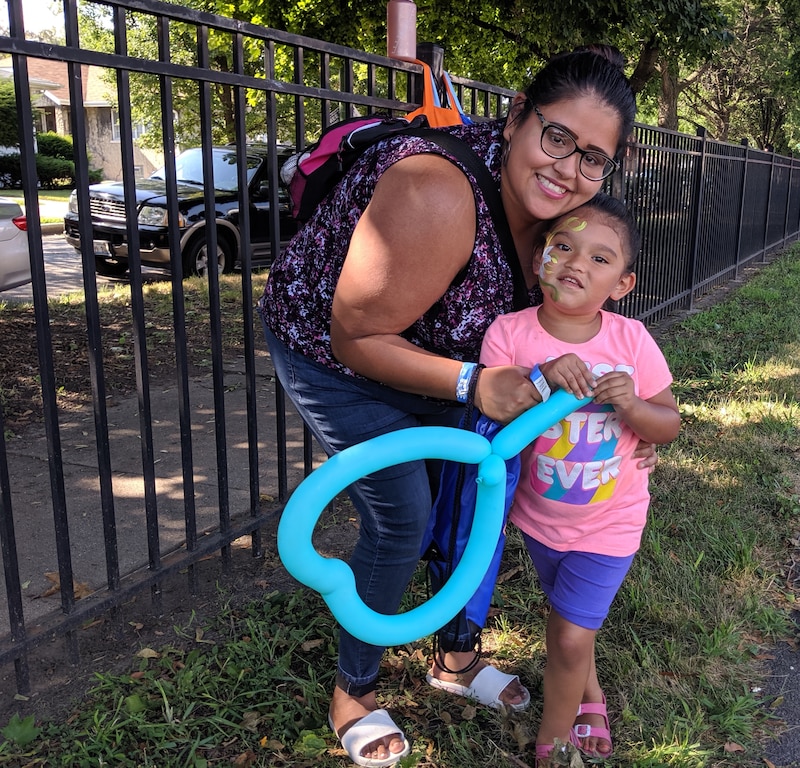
x: 298, y: 296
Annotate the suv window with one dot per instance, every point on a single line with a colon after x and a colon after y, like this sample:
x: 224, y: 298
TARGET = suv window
x: 189, y: 169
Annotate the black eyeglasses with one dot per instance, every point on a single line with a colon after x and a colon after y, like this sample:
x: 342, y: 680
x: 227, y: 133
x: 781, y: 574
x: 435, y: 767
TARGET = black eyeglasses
x: 558, y: 143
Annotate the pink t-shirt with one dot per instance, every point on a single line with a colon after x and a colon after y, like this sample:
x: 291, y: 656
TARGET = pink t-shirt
x: 579, y: 488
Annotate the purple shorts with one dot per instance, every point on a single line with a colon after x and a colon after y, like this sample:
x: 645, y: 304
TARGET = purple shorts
x: 579, y: 585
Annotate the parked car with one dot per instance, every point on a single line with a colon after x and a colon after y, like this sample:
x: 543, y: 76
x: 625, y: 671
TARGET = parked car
x: 109, y: 232
x: 15, y: 260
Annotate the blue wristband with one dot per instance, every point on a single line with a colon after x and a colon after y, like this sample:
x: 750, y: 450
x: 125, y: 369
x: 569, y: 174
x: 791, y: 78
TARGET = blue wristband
x: 462, y: 385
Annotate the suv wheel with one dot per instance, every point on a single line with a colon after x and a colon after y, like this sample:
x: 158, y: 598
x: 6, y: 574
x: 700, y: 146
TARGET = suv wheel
x: 195, y: 258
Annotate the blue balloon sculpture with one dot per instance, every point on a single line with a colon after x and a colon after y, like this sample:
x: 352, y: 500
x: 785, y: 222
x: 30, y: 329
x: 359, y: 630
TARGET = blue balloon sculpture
x: 334, y: 579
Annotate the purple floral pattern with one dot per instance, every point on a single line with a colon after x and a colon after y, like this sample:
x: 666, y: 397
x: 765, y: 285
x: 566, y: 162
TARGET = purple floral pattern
x: 299, y: 292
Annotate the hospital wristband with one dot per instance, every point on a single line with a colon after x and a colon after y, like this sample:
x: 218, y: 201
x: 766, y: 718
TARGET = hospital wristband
x: 464, y: 377
x: 540, y: 382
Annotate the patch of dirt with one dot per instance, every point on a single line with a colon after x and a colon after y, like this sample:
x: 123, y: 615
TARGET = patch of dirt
x: 20, y: 382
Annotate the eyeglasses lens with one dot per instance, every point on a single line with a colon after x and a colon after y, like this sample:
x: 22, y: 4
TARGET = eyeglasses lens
x: 559, y: 144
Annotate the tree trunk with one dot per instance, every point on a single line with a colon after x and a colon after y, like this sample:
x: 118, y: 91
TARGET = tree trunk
x: 668, y: 103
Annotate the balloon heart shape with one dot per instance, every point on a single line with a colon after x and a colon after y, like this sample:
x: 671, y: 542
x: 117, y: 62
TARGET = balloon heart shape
x: 334, y: 579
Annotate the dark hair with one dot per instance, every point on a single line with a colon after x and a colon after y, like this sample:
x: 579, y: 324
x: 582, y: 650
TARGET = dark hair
x: 596, y: 70
x: 618, y: 211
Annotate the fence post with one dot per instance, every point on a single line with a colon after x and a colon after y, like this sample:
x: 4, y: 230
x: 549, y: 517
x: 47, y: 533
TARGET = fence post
x: 618, y: 179
x: 698, y: 207
x: 769, y: 205
x: 788, y: 201
x: 740, y: 227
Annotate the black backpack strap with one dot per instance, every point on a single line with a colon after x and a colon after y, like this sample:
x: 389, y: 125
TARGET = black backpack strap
x: 491, y: 194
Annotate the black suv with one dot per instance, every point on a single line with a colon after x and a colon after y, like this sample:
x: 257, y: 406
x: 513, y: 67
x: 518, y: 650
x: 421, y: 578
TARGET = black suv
x: 109, y: 233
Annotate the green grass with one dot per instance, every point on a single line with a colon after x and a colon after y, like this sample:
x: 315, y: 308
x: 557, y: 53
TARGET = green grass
x: 53, y: 195
x: 57, y: 195
x: 680, y: 655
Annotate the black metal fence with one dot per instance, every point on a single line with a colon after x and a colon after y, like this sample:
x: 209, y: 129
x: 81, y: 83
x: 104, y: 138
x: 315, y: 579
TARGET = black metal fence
x: 205, y: 454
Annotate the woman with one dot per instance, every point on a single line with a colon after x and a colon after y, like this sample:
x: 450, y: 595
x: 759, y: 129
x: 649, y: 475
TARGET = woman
x: 376, y: 310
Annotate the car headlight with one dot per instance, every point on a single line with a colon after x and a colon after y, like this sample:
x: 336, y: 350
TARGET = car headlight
x: 152, y: 216
x: 73, y: 201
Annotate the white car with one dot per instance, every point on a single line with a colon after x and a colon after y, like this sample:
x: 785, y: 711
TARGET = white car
x: 15, y: 262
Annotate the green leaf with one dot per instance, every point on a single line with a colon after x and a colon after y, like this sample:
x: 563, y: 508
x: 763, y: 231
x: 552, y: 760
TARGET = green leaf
x: 21, y: 732
x: 310, y: 744
x: 135, y: 703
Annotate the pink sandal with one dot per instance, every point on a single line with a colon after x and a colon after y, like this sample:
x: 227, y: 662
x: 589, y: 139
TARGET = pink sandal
x: 583, y: 731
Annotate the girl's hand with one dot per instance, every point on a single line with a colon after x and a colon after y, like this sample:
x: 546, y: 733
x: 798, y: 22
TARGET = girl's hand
x: 615, y: 388
x: 569, y: 373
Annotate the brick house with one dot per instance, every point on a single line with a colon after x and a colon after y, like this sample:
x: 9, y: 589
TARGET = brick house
x: 50, y: 101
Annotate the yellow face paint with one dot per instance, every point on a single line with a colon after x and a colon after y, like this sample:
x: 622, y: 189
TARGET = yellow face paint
x: 548, y: 259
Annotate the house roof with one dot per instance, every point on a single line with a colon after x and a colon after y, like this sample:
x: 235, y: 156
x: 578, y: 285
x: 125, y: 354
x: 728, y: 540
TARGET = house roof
x: 54, y: 74
x: 36, y: 83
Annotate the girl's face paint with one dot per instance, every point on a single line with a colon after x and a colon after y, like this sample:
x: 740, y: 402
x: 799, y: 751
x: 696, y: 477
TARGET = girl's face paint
x: 549, y: 259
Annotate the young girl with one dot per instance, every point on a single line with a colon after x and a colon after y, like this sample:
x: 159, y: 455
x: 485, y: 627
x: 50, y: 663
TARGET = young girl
x: 581, y: 502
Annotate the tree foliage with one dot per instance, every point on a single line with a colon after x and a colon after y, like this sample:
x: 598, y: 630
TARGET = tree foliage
x: 696, y: 62
x: 747, y: 89
x: 9, y: 125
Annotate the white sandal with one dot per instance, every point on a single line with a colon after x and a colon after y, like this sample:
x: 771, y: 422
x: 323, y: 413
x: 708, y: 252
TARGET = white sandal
x: 370, y: 728
x: 486, y: 688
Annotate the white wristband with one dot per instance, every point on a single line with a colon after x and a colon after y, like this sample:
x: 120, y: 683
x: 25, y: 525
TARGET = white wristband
x: 540, y: 382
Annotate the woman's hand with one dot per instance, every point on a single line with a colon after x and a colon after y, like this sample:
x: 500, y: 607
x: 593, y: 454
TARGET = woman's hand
x: 504, y: 392
x: 647, y: 453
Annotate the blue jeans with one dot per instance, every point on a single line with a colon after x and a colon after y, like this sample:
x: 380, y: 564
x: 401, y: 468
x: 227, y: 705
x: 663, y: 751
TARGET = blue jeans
x: 394, y: 504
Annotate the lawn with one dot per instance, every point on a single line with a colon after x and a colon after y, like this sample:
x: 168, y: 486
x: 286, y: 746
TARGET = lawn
x: 56, y: 195
x: 681, y: 656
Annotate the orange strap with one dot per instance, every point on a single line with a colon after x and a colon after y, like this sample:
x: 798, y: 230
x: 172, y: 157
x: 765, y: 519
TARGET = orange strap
x: 439, y: 116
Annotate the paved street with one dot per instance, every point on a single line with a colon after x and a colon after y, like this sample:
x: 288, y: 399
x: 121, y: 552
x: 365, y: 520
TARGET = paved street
x: 64, y: 273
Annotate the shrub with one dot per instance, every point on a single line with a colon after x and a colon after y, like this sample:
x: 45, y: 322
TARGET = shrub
x: 10, y: 175
x: 55, y: 145
x: 9, y: 136
x: 53, y: 172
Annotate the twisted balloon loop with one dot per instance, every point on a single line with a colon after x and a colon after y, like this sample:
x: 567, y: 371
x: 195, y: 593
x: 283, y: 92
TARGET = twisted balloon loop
x: 334, y: 579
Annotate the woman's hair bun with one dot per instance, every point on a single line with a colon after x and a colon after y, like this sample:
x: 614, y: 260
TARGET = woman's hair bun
x: 612, y: 54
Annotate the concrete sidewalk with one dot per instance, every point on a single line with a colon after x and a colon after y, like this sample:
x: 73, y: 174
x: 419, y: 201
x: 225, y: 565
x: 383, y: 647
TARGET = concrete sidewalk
x: 30, y: 479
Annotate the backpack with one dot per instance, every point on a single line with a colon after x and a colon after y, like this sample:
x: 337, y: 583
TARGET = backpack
x: 312, y: 174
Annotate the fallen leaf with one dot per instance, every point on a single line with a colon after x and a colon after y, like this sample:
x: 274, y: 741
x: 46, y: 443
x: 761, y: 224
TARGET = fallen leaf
x: 769, y: 763
x: 245, y: 760
x: 250, y: 721
x: 79, y: 588
x: 509, y: 574
x: 311, y: 644
x: 522, y: 735
x: 148, y: 653
x: 469, y: 712
x: 91, y: 624
x: 732, y: 746
x: 272, y: 744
